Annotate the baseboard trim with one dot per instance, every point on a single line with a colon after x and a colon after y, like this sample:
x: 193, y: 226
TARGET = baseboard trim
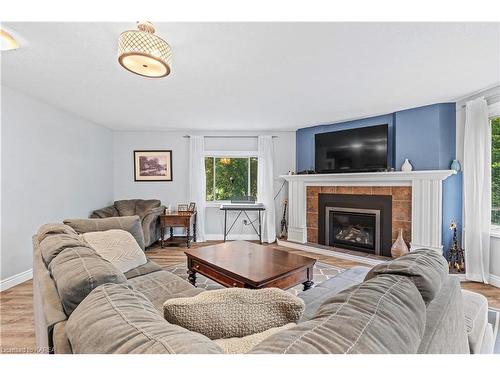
x: 495, y: 280
x: 232, y: 237
x: 333, y: 253
x: 9, y: 282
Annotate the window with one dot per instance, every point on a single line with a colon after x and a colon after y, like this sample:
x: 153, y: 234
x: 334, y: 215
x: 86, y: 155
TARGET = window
x: 495, y: 171
x: 231, y: 177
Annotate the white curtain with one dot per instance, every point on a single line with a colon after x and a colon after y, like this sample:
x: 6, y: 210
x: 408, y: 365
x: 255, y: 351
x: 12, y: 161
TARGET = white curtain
x: 197, y: 182
x: 265, y: 187
x: 477, y: 190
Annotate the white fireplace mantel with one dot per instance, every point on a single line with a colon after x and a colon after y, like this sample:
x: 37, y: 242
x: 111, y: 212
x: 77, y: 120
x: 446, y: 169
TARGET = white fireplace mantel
x: 426, y: 200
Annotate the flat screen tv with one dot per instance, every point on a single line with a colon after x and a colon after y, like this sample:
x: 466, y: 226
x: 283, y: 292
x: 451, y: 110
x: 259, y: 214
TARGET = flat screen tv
x: 353, y: 150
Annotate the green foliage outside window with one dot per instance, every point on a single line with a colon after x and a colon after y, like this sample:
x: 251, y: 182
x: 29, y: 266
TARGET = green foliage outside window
x: 230, y: 178
x: 495, y: 171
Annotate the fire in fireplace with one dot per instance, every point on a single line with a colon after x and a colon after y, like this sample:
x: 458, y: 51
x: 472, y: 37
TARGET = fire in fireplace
x: 356, y: 222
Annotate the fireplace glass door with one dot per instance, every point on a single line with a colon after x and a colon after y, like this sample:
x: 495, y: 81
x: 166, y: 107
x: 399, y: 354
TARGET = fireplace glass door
x: 353, y: 228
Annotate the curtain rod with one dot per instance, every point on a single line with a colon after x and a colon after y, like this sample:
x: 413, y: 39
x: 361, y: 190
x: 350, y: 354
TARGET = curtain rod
x: 489, y: 99
x: 229, y: 136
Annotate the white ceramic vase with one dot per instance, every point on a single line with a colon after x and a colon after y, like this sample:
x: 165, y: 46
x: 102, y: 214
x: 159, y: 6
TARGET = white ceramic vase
x: 407, y: 167
x: 399, y: 246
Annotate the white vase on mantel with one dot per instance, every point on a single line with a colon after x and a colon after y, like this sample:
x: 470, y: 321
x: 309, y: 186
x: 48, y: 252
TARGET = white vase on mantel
x: 407, y: 167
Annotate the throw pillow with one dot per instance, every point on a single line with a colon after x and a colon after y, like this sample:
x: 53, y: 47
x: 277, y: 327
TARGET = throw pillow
x: 118, y: 247
x: 234, y: 312
x: 131, y: 224
x: 241, y: 345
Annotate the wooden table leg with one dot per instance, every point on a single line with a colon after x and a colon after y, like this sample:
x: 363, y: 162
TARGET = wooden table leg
x: 309, y: 283
x: 187, y: 236
x: 171, y: 233
x: 162, y: 235
x: 192, y: 277
x: 194, y: 227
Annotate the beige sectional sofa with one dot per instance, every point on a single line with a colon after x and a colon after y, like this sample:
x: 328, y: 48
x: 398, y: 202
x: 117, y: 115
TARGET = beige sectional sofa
x: 407, y: 306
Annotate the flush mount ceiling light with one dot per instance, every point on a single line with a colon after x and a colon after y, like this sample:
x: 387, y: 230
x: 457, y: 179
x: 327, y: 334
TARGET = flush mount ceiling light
x: 7, y: 41
x: 143, y: 53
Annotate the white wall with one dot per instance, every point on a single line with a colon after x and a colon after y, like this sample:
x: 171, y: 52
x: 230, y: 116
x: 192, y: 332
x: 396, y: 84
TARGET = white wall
x: 176, y: 191
x: 54, y: 166
x: 493, y: 95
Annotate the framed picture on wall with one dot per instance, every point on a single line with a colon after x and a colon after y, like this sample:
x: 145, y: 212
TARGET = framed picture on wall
x: 152, y: 165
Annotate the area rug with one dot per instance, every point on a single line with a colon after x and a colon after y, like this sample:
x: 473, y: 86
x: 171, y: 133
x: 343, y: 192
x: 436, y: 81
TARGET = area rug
x: 321, y: 272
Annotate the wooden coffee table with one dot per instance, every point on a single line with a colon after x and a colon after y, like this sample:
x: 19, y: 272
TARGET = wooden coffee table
x: 244, y: 264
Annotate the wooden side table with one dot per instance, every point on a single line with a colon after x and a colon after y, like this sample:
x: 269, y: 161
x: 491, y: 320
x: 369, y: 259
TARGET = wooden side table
x: 178, y: 219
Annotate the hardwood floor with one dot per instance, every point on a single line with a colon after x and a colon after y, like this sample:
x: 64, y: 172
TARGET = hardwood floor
x: 16, y: 307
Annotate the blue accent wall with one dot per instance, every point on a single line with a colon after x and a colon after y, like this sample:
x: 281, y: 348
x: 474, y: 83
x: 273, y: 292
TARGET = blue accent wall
x: 425, y: 135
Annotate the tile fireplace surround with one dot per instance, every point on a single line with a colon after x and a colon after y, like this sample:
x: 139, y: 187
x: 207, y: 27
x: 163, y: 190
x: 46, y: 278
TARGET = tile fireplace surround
x: 401, y: 206
x: 416, y: 202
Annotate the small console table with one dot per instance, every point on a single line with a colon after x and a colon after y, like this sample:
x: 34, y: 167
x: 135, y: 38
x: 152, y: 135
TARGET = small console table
x: 242, y: 208
x: 181, y: 220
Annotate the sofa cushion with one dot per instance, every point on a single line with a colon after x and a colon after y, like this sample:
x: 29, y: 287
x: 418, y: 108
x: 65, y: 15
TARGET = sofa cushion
x: 116, y: 318
x: 126, y: 207
x: 160, y: 286
x: 234, y: 312
x: 131, y: 224
x: 142, y: 207
x: 445, y: 331
x: 144, y: 269
x: 383, y: 315
x: 476, y: 318
x: 117, y: 246
x: 77, y: 271
x: 241, y: 345
x: 109, y: 211
x: 425, y: 267
x: 55, y: 228
x: 315, y: 297
x: 52, y: 245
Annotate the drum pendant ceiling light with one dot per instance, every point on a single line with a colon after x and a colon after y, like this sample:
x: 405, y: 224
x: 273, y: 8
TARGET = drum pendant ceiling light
x: 143, y: 53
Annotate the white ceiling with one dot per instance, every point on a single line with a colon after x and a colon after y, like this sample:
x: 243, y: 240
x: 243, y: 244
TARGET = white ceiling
x: 254, y: 76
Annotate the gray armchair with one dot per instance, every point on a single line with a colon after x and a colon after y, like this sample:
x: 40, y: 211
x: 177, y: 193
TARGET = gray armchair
x: 148, y: 210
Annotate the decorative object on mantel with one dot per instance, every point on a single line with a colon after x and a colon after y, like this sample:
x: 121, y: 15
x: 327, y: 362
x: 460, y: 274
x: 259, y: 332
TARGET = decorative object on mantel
x: 143, y: 53
x: 456, y: 260
x: 407, y: 167
x: 399, y: 246
x: 455, y: 165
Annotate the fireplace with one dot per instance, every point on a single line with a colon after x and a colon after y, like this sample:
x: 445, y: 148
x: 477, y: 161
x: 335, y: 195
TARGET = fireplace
x: 356, y: 222
x: 353, y: 228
